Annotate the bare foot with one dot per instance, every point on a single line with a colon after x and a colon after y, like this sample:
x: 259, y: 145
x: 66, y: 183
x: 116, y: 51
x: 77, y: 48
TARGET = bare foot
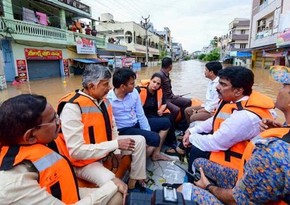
x: 157, y: 157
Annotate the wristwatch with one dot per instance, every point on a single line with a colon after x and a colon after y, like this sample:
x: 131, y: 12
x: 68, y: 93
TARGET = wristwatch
x: 209, y: 185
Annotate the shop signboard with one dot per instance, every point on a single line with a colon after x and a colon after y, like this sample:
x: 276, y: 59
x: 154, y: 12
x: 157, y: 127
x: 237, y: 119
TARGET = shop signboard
x: 85, y: 46
x: 39, y: 54
x: 21, y: 69
x: 77, y: 4
x: 127, y: 62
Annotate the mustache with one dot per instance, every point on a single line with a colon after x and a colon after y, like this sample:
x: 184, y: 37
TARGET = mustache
x: 218, y: 91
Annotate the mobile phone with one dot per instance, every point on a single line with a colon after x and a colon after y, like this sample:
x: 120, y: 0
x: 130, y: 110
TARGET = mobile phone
x: 169, y: 194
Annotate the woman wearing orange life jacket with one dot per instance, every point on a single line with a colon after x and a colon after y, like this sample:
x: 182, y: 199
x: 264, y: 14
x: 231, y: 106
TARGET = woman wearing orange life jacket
x: 154, y: 108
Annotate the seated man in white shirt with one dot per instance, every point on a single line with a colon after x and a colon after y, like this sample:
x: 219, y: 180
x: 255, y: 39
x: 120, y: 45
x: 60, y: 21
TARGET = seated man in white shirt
x: 223, y: 137
x: 205, y: 111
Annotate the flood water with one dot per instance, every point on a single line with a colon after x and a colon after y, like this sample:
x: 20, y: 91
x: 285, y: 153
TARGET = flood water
x: 187, y: 78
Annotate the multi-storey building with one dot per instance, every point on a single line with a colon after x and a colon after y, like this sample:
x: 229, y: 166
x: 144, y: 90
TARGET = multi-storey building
x: 131, y: 35
x: 177, y: 51
x: 269, y: 38
x: 234, y: 47
x: 238, y: 38
x: 167, y: 40
x: 42, y: 38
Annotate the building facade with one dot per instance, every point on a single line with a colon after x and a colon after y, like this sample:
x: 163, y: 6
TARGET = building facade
x: 269, y: 37
x: 134, y: 36
x: 45, y: 38
x: 234, y: 46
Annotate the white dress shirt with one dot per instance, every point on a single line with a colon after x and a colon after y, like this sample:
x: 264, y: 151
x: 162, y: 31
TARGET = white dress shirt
x: 212, y: 98
x: 241, y: 125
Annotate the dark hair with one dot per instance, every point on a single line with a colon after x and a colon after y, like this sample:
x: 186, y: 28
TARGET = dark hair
x: 16, y: 77
x: 158, y: 75
x: 18, y: 114
x: 214, y: 66
x: 240, y: 77
x: 166, y: 62
x: 122, y: 76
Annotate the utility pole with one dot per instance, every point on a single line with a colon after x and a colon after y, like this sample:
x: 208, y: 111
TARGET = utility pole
x: 146, y: 21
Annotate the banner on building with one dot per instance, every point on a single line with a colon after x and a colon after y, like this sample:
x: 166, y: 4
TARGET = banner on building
x: 38, y: 54
x: 127, y: 62
x: 274, y: 54
x: 85, y: 46
x: 21, y: 69
x: 283, y: 38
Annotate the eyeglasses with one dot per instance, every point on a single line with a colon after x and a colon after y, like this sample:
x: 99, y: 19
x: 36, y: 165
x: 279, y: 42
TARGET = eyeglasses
x: 55, y: 120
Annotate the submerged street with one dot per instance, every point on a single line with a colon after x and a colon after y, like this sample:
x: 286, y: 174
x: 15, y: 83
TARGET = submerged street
x: 187, y: 78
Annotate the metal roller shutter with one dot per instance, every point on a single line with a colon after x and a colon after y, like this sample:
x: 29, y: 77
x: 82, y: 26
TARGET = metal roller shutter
x: 40, y: 69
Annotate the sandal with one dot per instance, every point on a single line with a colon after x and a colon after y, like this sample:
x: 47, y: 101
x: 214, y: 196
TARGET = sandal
x: 174, y: 152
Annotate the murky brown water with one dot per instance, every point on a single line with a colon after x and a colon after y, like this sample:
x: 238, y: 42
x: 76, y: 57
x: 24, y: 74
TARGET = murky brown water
x: 187, y: 77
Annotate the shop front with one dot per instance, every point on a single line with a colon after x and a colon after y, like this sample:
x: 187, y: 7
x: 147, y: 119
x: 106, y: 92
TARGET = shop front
x: 43, y: 64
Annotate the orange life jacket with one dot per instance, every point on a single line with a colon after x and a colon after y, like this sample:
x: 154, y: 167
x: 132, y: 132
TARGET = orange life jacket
x: 274, y: 132
x: 55, y: 173
x: 97, y: 124
x: 258, y: 104
x: 143, y: 96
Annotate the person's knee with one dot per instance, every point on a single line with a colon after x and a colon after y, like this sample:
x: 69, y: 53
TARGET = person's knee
x: 116, y: 199
x: 167, y: 124
x: 139, y: 139
x: 188, y: 111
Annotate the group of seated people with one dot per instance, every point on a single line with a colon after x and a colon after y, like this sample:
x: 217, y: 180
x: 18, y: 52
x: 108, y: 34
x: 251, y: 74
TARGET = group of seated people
x: 46, y: 150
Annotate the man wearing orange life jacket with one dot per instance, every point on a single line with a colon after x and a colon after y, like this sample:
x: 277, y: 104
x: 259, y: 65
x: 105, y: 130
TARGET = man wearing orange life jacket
x: 89, y: 133
x: 32, y: 173
x: 223, y: 137
x: 263, y: 175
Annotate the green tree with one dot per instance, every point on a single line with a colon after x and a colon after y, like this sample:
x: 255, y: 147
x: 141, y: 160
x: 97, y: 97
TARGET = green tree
x: 201, y: 56
x: 213, y: 55
x: 163, y: 54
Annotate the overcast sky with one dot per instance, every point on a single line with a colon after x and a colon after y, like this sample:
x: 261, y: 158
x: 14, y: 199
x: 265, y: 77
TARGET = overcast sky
x: 193, y: 23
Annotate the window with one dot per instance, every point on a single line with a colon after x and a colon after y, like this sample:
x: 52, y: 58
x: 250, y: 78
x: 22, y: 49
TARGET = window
x: 262, y: 1
x: 243, y: 45
x: 243, y: 31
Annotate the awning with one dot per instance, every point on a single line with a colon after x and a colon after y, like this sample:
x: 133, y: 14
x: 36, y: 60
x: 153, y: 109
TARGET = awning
x: 227, y: 58
x: 90, y: 60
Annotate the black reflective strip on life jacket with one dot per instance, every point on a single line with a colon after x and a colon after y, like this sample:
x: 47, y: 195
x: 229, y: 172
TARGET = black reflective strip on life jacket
x: 92, y: 135
x: 229, y: 154
x: 56, y: 191
x: 52, y: 145
x: 239, y: 105
x: 74, y: 175
x: 107, y: 121
x: 62, y: 104
x: 9, y: 158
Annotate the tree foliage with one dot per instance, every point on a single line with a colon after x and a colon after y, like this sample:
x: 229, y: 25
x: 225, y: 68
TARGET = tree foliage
x: 163, y: 54
x: 212, y: 56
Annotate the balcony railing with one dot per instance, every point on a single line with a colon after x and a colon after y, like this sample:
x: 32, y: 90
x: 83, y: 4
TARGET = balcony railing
x: 10, y: 26
x: 21, y: 30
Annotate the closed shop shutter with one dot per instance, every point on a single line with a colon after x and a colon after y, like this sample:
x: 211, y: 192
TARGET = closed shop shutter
x: 40, y: 69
